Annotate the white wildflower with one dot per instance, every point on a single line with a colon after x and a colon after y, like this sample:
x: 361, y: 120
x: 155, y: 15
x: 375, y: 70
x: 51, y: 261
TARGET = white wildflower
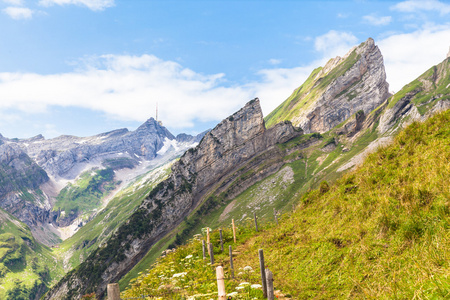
x: 248, y: 268
x: 189, y: 256
x: 182, y: 274
x: 244, y: 283
x: 256, y: 286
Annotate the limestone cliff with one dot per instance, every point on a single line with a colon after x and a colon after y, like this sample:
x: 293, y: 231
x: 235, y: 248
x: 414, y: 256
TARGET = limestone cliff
x: 419, y: 99
x: 232, y: 143
x: 20, y: 179
x: 344, y: 86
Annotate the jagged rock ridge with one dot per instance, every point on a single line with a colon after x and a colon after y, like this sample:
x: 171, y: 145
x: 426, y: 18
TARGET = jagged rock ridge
x: 234, y: 141
x: 419, y: 99
x: 344, y: 86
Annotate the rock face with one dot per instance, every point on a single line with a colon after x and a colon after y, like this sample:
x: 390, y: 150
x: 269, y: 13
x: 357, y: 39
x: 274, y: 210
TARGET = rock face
x: 344, y: 86
x: 233, y: 142
x: 20, y: 179
x: 419, y: 99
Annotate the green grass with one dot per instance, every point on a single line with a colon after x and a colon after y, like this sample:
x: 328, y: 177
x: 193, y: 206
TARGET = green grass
x: 184, y: 273
x: 86, y: 194
x: 381, y: 232
x: 25, y: 265
x: 264, y: 196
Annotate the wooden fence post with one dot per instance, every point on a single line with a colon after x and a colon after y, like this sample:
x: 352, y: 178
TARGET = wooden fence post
x: 221, y: 239
x: 221, y: 283
x: 211, y: 253
x: 231, y: 261
x: 234, y: 230
x: 256, y: 222
x: 204, y: 249
x: 276, y: 219
x: 113, y: 291
x: 263, y: 272
x: 269, y: 279
x: 207, y: 239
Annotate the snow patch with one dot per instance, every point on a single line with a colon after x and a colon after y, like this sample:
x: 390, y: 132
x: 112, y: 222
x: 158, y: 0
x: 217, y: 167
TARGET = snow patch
x: 167, y: 145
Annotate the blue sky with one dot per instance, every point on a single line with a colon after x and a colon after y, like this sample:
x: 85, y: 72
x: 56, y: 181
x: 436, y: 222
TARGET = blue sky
x: 83, y: 67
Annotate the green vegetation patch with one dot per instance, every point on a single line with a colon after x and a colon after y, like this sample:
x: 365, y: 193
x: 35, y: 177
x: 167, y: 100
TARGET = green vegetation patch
x: 86, y: 194
x: 26, y: 267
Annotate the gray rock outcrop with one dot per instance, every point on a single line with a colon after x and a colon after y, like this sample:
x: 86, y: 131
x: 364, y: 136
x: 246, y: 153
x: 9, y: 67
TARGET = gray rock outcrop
x: 361, y: 87
x: 20, y: 179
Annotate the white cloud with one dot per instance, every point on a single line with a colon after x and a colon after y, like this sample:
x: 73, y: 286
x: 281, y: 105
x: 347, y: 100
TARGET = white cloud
x: 411, y: 6
x: 276, y: 85
x: 95, y: 5
x: 334, y: 43
x: 274, y: 61
x: 14, y: 2
x: 18, y: 13
x: 408, y: 55
x: 377, y: 21
x: 127, y: 87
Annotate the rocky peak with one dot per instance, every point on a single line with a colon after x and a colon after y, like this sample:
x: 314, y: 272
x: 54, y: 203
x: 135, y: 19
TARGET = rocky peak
x: 337, y: 91
x: 151, y: 126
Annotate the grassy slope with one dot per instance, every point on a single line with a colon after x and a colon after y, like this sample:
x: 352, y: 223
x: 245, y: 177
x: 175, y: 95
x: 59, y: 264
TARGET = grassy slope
x: 380, y: 232
x: 86, y: 193
x: 97, y: 231
x: 24, y: 263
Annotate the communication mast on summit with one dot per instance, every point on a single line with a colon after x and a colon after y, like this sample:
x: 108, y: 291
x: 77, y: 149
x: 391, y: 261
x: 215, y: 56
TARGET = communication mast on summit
x: 159, y: 122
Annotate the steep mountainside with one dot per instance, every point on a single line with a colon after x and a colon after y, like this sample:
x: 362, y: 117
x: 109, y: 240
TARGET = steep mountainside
x: 419, y: 99
x: 96, y: 232
x: 235, y: 141
x: 355, y: 82
x: 380, y: 232
x: 22, y: 189
x: 26, y: 267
